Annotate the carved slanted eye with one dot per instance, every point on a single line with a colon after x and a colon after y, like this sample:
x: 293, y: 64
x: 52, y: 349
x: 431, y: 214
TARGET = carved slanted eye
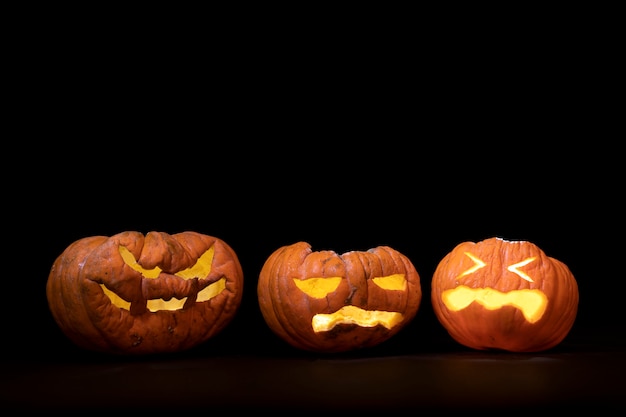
x: 321, y: 287
x: 158, y: 311
x: 395, y: 282
x: 318, y: 287
x: 200, y: 270
x: 327, y: 314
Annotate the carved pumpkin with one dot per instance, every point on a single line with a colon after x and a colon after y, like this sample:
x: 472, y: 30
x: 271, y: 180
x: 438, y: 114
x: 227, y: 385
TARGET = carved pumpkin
x: 504, y: 295
x: 130, y: 294
x: 325, y: 302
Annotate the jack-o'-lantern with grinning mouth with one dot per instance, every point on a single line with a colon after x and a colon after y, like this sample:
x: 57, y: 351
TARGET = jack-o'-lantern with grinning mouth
x: 330, y: 303
x: 504, y: 295
x: 135, y: 294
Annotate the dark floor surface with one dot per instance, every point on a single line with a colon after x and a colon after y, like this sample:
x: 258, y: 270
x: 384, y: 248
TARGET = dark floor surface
x: 584, y: 373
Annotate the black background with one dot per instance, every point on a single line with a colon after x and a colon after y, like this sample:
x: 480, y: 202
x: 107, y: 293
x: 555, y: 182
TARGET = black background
x: 421, y: 199
x: 422, y: 159
x: 415, y: 190
x: 351, y: 183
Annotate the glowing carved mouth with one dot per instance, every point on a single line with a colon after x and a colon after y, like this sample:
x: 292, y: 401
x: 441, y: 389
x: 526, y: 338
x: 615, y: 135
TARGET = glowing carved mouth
x: 171, y: 304
x: 355, y: 315
x: 201, y: 268
x: 532, y: 303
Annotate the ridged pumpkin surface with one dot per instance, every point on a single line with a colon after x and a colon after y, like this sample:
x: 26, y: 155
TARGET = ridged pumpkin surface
x: 504, y: 295
x: 326, y: 302
x: 136, y: 294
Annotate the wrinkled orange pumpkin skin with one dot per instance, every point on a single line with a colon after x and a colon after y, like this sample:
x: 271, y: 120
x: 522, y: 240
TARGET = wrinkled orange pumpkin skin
x: 86, y: 314
x: 505, y: 327
x: 289, y: 312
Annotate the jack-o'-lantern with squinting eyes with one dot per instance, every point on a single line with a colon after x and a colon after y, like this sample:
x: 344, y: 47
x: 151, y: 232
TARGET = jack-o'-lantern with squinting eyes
x: 136, y: 294
x: 329, y: 303
x: 504, y: 295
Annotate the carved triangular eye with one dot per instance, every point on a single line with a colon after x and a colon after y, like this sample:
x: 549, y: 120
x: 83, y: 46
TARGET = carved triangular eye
x: 129, y: 259
x: 477, y: 265
x: 200, y: 269
x: 523, y: 275
x: 144, y: 293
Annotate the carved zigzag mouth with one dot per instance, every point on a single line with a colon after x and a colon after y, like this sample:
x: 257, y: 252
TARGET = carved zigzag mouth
x: 532, y: 303
x: 201, y: 268
x: 172, y: 303
x: 355, y: 315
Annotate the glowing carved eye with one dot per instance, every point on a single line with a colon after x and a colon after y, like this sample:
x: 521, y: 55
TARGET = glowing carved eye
x: 395, y: 282
x: 200, y: 269
x: 513, y: 268
x: 317, y: 287
x: 130, y: 260
x: 477, y: 265
x: 132, y: 293
x: 321, y: 287
x: 506, y: 295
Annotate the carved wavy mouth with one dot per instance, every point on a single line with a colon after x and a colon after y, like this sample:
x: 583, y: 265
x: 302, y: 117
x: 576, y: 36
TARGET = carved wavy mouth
x: 170, y: 304
x: 200, y: 269
x: 355, y: 315
x: 532, y: 303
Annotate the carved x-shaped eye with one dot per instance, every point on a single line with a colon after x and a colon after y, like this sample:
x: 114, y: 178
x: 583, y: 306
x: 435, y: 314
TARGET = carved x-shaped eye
x: 523, y: 275
x: 478, y: 264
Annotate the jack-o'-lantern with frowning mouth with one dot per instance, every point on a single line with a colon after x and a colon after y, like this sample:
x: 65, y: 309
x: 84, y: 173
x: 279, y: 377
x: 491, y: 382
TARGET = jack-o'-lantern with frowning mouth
x: 136, y: 294
x: 504, y: 295
x: 326, y: 302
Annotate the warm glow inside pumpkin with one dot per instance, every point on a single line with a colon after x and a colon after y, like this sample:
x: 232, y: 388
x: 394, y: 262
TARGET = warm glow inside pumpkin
x: 322, y: 301
x: 202, y: 268
x: 508, y: 295
x: 135, y: 294
x: 532, y: 303
x: 321, y: 287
